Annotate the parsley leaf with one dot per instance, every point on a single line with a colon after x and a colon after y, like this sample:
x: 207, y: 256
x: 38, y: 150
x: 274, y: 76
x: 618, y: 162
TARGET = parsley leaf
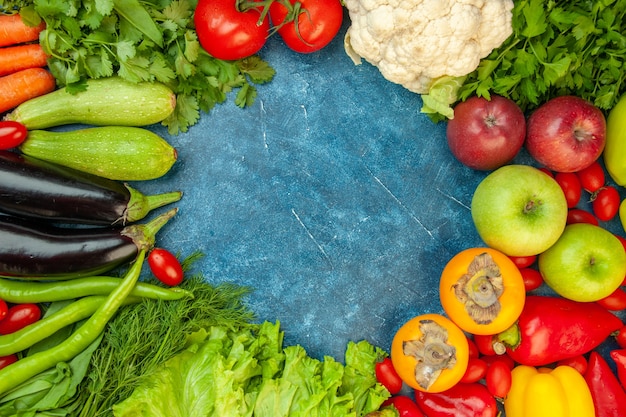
x: 558, y: 47
x: 141, y: 40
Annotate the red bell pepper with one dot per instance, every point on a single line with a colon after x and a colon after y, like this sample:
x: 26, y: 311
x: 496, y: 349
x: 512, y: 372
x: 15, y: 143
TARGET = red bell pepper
x: 609, y: 398
x: 619, y: 356
x: 551, y: 329
x: 462, y: 400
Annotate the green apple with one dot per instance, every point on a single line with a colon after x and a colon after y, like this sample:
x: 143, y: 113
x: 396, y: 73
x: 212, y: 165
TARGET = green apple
x: 519, y: 210
x: 586, y: 264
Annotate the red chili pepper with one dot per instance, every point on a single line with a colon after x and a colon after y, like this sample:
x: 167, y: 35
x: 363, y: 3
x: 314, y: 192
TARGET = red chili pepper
x: 619, y: 357
x: 555, y: 328
x: 462, y: 400
x: 609, y: 398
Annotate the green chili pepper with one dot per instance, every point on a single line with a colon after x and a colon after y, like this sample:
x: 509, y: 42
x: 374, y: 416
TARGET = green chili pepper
x: 14, y: 291
x: 47, y: 326
x: 29, y: 366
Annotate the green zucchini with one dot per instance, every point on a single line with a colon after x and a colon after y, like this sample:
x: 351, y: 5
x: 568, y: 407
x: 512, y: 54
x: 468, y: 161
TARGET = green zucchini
x: 123, y: 153
x: 106, y: 101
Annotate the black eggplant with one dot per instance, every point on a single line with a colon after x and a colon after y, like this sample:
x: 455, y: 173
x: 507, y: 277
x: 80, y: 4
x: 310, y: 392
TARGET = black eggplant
x: 34, y: 188
x: 37, y: 250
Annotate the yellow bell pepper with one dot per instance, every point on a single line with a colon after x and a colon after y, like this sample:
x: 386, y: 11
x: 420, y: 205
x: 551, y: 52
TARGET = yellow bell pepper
x: 622, y: 213
x: 615, y: 146
x: 546, y: 392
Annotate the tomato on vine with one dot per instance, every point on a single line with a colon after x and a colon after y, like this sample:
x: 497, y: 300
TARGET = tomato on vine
x: 231, y: 29
x: 430, y: 353
x: 307, y: 25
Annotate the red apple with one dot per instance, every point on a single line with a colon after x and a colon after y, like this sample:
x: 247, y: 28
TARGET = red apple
x: 486, y: 134
x: 566, y: 134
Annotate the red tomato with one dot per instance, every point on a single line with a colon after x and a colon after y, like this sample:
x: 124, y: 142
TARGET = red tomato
x: 229, y: 33
x: 532, y: 278
x: 498, y: 378
x: 502, y: 358
x: 4, y: 309
x: 472, y: 348
x: 620, y: 337
x: 605, y: 203
x: 476, y: 370
x: 12, y: 134
x: 406, y: 406
x: 165, y: 266
x: 19, y: 316
x: 578, y: 362
x: 386, y: 374
x: 318, y: 22
x: 570, y: 184
x: 7, y: 360
x: 484, y: 344
x: 523, y: 261
x: 581, y: 216
x: 592, y: 177
x: 615, y: 301
x: 546, y: 171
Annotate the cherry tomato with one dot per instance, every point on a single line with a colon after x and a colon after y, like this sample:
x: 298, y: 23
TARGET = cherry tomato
x: 502, y: 358
x: 578, y: 362
x: 476, y: 370
x: 472, y: 348
x: 165, y: 266
x: 317, y: 23
x: 19, y: 316
x: 412, y: 347
x: 581, y: 216
x: 523, y: 261
x: 12, y: 134
x: 620, y: 337
x: 592, y: 177
x: 4, y: 309
x: 406, y: 406
x: 546, y: 171
x: 615, y: 301
x: 570, y: 184
x: 532, y: 278
x: 605, y: 203
x: 485, y: 344
x: 387, y: 376
x: 468, y: 277
x: 231, y: 29
x: 498, y: 379
x: 7, y: 360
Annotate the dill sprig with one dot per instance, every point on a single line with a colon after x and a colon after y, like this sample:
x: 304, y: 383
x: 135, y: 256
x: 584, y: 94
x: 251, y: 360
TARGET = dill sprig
x: 145, y: 335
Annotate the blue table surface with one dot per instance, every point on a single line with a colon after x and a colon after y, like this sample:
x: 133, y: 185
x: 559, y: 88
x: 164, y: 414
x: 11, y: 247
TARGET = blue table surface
x: 332, y: 197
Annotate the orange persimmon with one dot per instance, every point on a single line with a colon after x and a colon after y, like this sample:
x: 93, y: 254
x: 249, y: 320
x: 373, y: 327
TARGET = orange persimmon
x: 430, y: 353
x: 482, y: 291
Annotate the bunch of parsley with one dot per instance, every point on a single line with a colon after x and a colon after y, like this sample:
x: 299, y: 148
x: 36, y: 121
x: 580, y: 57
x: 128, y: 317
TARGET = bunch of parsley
x: 558, y: 47
x: 151, y: 40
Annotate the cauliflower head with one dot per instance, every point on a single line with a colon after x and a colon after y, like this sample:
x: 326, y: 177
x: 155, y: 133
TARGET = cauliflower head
x: 416, y: 42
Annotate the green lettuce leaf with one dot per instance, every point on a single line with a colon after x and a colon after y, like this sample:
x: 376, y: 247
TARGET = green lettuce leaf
x: 227, y: 372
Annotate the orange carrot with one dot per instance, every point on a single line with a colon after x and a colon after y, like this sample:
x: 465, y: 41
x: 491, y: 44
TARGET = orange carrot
x: 13, y: 30
x: 23, y: 85
x: 17, y: 58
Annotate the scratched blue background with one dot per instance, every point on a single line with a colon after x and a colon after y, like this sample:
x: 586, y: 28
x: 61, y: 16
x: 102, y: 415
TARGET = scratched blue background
x: 332, y: 197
